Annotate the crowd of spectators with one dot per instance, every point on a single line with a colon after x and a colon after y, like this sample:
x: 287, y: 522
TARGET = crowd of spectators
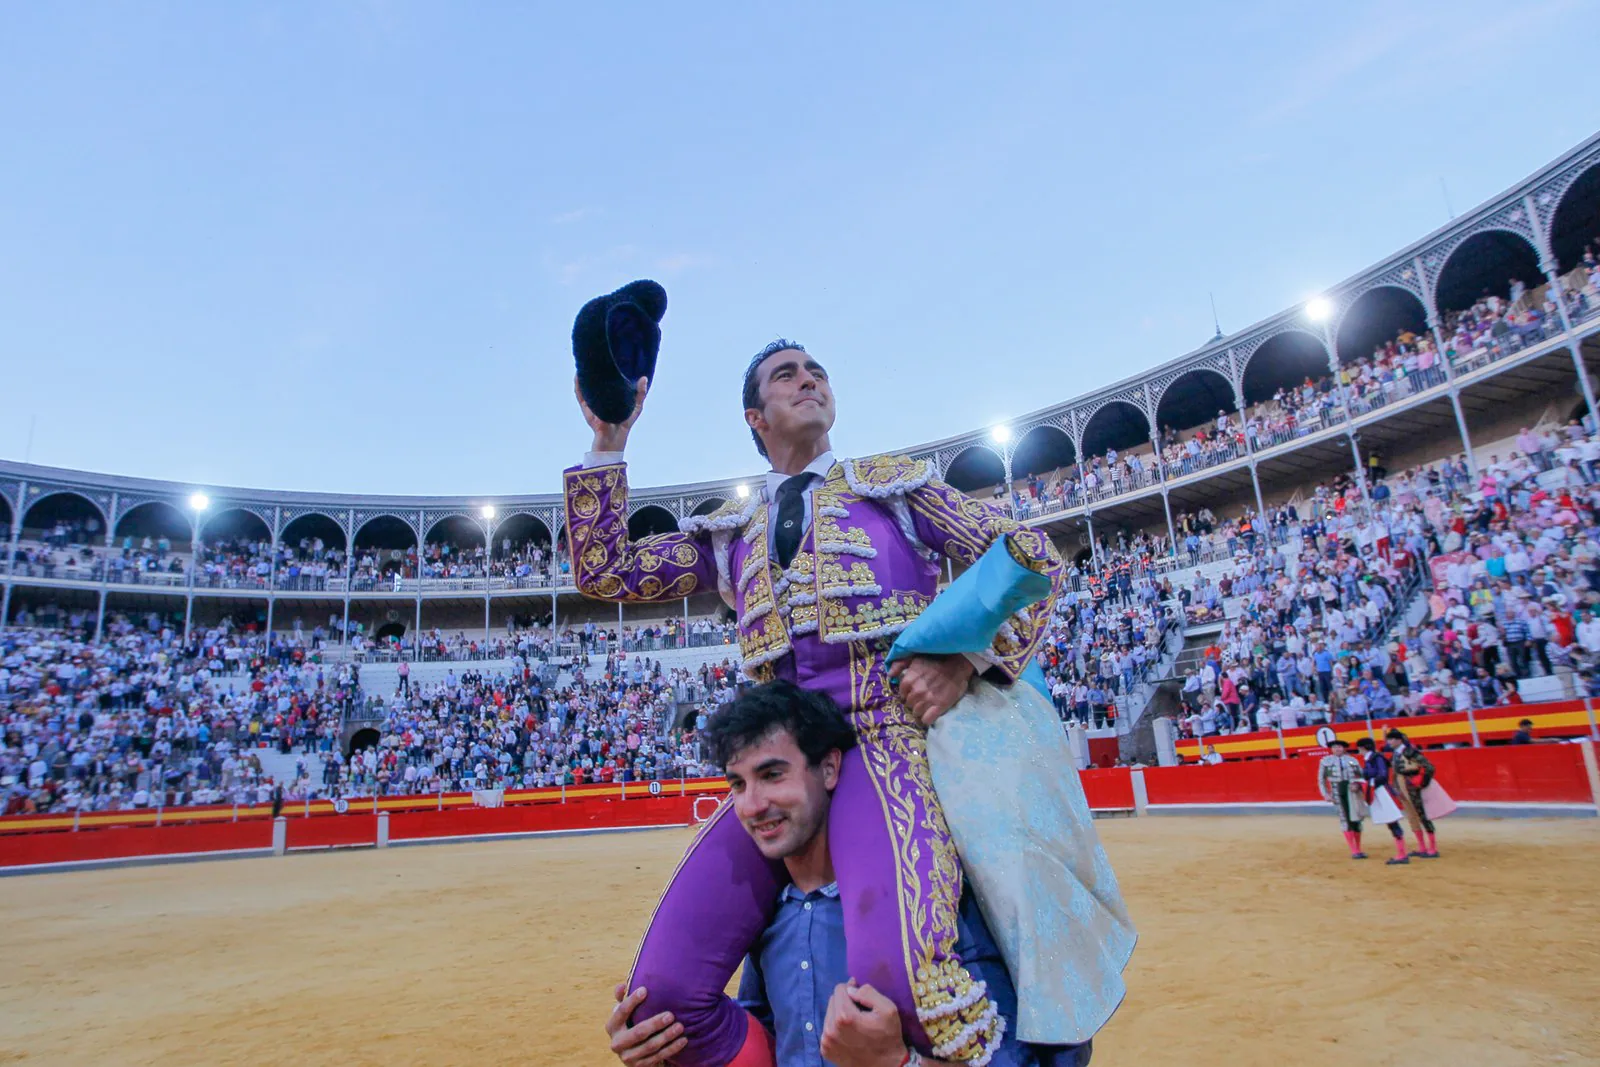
x: 614, y: 720
x: 143, y: 719
x: 1509, y: 564
x: 1103, y: 642
x: 1494, y: 326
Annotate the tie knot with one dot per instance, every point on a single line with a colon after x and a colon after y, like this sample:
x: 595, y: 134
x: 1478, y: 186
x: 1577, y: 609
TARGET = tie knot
x: 795, y: 484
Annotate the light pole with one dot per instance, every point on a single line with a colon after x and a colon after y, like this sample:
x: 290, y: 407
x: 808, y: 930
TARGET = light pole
x: 198, y: 502
x: 1320, y: 311
x: 487, y: 513
x: 1001, y: 435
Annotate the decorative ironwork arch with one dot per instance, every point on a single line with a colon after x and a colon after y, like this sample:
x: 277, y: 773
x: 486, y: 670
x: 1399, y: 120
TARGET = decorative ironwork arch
x: 360, y: 517
x: 220, y: 508
x: 1246, y: 350
x: 1549, y: 194
x: 287, y: 516
x: 947, y: 456
x: 693, y: 504
x: 1133, y: 398
x: 38, y: 491
x: 1512, y: 219
x: 669, y: 506
x: 1060, y: 420
x: 430, y: 519
x: 1216, y: 363
x: 1400, y: 276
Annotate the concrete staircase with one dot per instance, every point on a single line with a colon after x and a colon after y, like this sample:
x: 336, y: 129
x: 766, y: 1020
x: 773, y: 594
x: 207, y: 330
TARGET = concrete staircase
x: 281, y: 768
x: 1131, y: 707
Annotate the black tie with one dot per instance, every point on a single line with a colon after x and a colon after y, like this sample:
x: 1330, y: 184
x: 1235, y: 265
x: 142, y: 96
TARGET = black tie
x: 791, y: 516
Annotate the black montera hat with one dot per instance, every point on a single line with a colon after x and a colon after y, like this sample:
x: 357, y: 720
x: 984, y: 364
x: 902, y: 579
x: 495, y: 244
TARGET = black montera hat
x: 615, y: 340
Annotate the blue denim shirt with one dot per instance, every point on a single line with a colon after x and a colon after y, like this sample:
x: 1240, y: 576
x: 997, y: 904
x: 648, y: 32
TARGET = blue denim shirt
x: 800, y: 958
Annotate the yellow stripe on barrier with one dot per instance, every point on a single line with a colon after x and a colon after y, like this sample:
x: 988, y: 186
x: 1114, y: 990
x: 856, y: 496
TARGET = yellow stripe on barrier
x: 1502, y: 719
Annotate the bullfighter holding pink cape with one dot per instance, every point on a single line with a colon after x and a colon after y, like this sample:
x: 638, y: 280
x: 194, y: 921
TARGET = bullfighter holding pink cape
x: 961, y: 768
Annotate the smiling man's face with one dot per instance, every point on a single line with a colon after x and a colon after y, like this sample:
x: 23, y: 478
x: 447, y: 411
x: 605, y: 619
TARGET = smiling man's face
x: 781, y: 800
x: 796, y: 399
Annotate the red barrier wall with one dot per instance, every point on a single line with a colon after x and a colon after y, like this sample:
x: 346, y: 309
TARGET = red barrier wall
x: 294, y: 809
x: 1255, y: 782
x: 593, y: 815
x: 1108, y: 790
x: 346, y: 830
x: 1504, y: 774
x: 328, y: 833
x: 1552, y: 774
x: 133, y: 841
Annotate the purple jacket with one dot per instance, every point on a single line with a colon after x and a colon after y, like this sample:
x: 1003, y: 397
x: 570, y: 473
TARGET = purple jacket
x: 867, y: 566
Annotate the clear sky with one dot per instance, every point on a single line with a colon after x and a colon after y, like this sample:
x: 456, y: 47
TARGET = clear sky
x: 339, y: 245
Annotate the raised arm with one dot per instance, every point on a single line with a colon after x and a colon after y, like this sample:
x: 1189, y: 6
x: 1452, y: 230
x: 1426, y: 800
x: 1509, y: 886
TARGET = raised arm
x: 607, y: 564
x: 955, y: 525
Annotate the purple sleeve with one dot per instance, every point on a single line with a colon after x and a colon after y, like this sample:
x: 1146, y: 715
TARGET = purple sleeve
x: 607, y: 565
x: 963, y: 529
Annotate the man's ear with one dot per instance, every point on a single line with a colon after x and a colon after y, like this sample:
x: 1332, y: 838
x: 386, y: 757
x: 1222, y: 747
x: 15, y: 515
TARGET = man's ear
x: 830, y: 768
x: 756, y: 419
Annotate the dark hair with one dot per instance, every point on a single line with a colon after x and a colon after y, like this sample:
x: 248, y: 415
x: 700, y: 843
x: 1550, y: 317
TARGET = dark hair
x: 1396, y: 735
x: 752, y: 385
x: 1365, y: 743
x: 811, y: 718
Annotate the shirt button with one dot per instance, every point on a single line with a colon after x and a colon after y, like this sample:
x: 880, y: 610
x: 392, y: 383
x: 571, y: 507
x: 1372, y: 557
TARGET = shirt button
x: 805, y: 965
x: 809, y: 1027
x: 808, y: 905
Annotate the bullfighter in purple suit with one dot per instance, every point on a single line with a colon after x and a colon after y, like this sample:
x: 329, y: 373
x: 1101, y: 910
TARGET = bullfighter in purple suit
x: 823, y: 568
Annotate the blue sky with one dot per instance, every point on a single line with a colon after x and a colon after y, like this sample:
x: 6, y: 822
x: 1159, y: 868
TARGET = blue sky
x: 339, y: 246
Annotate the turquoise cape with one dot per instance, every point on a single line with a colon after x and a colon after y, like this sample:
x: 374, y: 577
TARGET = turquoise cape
x: 1016, y: 811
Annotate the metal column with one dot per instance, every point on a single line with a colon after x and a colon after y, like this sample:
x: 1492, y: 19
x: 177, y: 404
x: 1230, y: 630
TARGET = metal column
x: 1573, y: 347
x: 194, y: 559
x: 349, y: 562
x: 105, y: 569
x: 272, y: 573
x: 416, y: 635
x: 1261, y: 507
x: 1461, y: 427
x: 1449, y: 373
x: 1549, y: 268
x: 11, y: 553
x: 1172, y: 533
x: 1361, y: 472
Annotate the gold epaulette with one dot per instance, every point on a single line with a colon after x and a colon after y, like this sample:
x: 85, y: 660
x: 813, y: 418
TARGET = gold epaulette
x: 734, y: 515
x: 877, y: 477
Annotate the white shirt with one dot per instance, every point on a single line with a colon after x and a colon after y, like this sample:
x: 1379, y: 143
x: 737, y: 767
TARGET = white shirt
x: 819, y: 467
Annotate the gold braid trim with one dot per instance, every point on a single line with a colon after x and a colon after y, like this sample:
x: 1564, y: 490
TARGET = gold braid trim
x: 960, y: 1020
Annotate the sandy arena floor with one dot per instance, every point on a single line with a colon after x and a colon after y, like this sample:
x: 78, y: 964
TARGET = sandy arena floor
x: 1261, y: 944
